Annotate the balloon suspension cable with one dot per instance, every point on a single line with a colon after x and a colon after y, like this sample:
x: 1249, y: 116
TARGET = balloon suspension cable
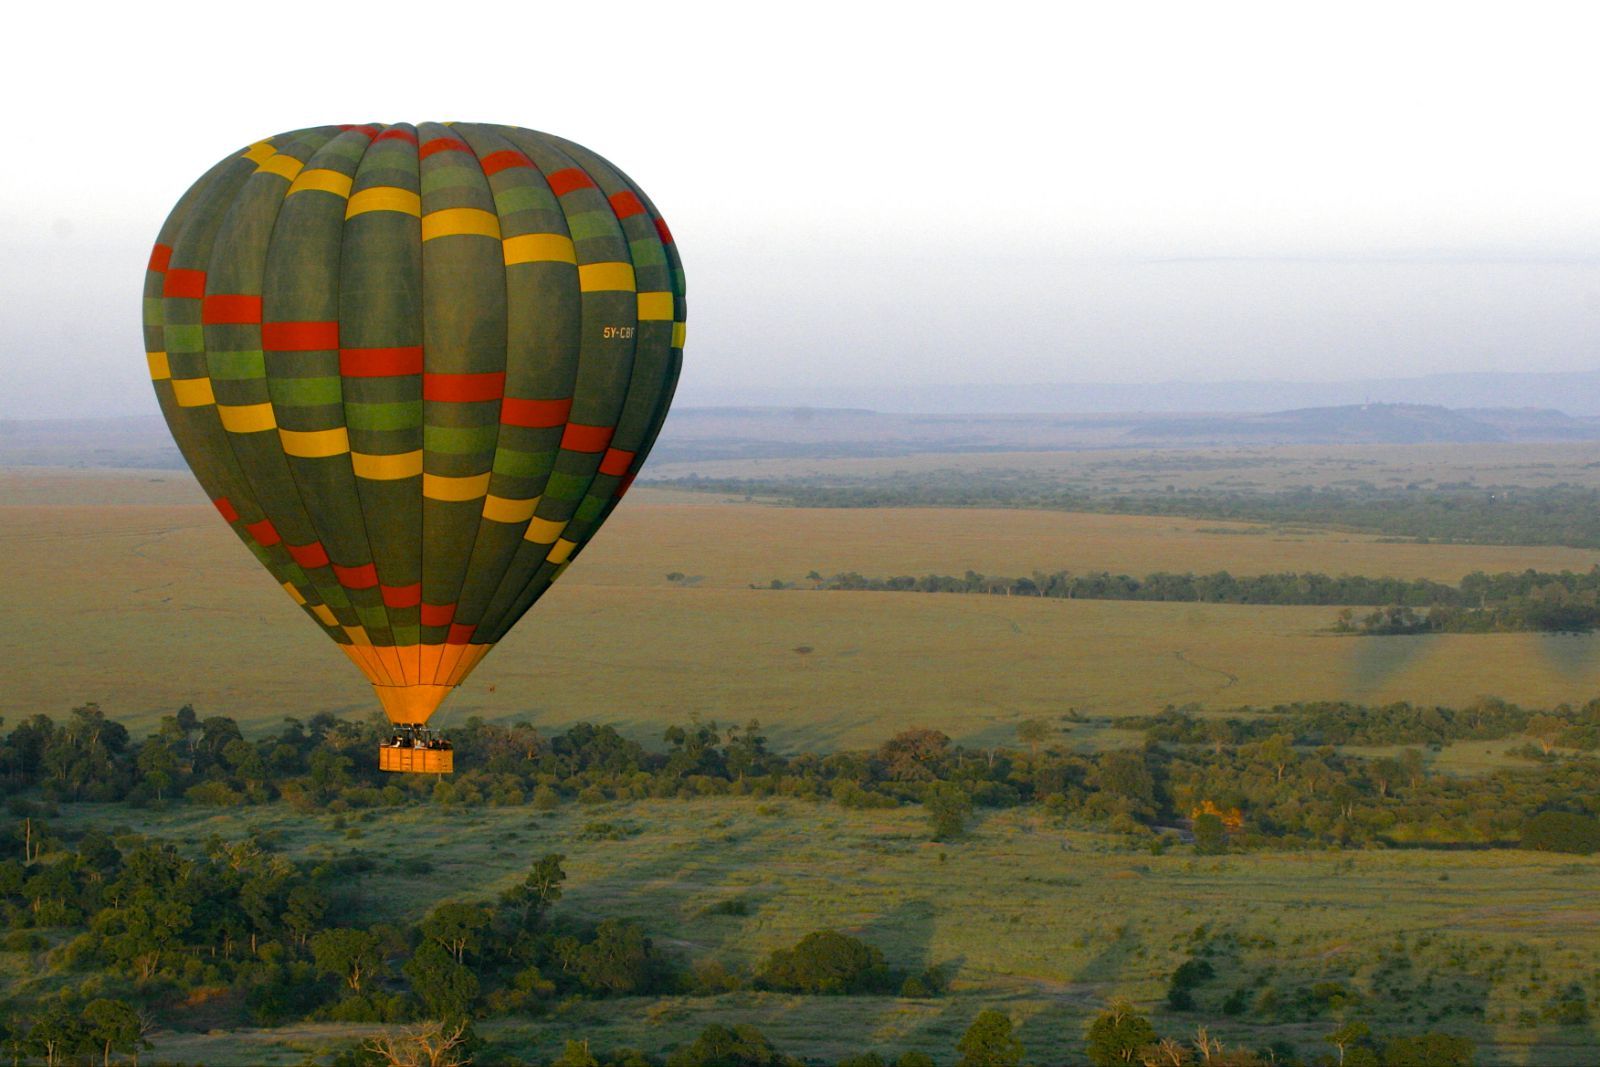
x: 417, y: 736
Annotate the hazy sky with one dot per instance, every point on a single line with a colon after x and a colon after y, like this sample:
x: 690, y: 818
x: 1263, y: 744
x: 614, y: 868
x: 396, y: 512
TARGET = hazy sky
x: 867, y: 193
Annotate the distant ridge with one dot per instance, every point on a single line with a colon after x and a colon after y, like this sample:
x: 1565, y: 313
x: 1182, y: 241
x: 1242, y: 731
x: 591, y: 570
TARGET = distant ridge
x: 1575, y: 393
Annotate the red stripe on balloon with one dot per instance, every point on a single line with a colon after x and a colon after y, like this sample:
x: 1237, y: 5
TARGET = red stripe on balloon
x: 442, y: 144
x: 563, y: 182
x: 221, y: 309
x: 625, y: 204
x: 581, y: 438
x: 397, y: 135
x: 402, y: 596
x: 160, y: 256
x: 534, y: 414
x: 309, y: 555
x: 380, y: 362
x: 459, y: 634
x: 187, y: 283
x: 438, y: 614
x: 616, y: 462
x: 505, y: 159
x: 661, y: 228
x: 299, y: 336
x: 362, y: 577
x: 225, y: 508
x: 463, y: 388
x: 264, y: 533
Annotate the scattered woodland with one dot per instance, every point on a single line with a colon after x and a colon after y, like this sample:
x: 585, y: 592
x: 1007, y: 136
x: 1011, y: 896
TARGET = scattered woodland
x: 126, y: 926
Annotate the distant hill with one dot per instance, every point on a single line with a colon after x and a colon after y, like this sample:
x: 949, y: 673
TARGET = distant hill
x: 1576, y: 393
x: 694, y: 434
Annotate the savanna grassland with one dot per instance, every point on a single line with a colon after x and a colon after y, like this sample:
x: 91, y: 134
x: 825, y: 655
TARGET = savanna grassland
x: 1365, y: 880
x: 1043, y: 924
x: 152, y: 604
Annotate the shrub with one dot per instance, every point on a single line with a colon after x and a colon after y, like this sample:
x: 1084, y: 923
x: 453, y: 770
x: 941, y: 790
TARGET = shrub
x: 1562, y: 831
x: 825, y: 962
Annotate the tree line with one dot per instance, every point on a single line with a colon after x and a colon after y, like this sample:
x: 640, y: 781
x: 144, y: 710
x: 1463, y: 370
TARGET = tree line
x: 1480, y: 603
x: 1563, y: 514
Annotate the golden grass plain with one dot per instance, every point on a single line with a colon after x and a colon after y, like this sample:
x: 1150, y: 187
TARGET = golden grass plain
x: 147, y: 606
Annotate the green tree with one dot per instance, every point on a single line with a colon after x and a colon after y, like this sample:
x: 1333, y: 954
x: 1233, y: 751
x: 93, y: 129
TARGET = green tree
x: 113, y: 1026
x: 1033, y: 733
x: 576, y: 1054
x: 59, y: 1034
x: 1117, y: 1034
x: 446, y: 988
x: 989, y: 1042
x: 1210, y: 834
x: 722, y: 1046
x: 455, y: 927
x: 825, y: 962
x: 1346, y: 1036
x: 540, y: 889
x: 948, y: 807
x: 350, y: 955
x: 618, y: 960
x: 1431, y: 1049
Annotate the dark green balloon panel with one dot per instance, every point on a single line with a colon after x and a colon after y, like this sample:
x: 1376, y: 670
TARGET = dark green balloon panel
x: 414, y: 368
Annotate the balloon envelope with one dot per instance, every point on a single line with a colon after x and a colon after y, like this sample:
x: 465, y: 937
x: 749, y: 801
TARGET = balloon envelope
x: 414, y: 368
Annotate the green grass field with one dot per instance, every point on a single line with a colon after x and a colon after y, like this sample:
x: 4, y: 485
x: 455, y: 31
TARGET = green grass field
x: 152, y: 605
x: 1043, y: 923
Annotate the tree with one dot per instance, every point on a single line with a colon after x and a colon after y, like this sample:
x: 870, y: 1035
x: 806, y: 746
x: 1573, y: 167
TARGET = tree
x: 1033, y: 733
x: 1347, y: 1035
x: 455, y: 927
x: 429, y: 1044
x: 825, y: 962
x: 445, y: 987
x: 1117, y: 1034
x: 113, y: 1026
x: 1428, y: 1050
x: 948, y: 807
x: 576, y: 1054
x: 989, y: 1042
x: 1562, y: 831
x: 59, y: 1033
x: 540, y: 889
x: 721, y: 1046
x: 1210, y: 834
x: 618, y: 960
x: 351, y: 955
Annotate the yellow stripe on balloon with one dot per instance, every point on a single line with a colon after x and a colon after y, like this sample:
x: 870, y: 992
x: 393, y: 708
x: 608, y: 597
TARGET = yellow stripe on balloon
x: 323, y: 181
x: 503, y: 509
x: 315, y: 444
x: 441, y: 487
x: 383, y: 198
x: 288, y: 587
x: 605, y: 277
x: 260, y: 152
x: 323, y: 612
x: 655, y: 307
x: 544, y: 531
x: 460, y: 222
x: 246, y: 418
x: 193, y: 392
x: 389, y: 468
x: 561, y: 551
x: 284, y: 166
x: 160, y: 369
x: 677, y: 335
x: 539, y: 248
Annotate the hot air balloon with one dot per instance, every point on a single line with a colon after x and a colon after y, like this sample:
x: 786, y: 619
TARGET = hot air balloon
x: 415, y: 368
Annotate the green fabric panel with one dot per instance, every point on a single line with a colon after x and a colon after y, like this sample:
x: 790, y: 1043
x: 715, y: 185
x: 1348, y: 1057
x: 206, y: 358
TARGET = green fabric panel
x: 464, y: 440
x: 238, y: 364
x: 405, y: 415
x: 524, y: 196
x: 302, y: 392
x: 532, y: 466
x: 186, y: 338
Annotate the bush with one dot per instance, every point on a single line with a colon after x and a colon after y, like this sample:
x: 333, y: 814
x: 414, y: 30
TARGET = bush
x: 825, y: 962
x: 1562, y: 831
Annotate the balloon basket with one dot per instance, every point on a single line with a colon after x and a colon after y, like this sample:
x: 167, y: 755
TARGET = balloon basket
x: 416, y: 750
